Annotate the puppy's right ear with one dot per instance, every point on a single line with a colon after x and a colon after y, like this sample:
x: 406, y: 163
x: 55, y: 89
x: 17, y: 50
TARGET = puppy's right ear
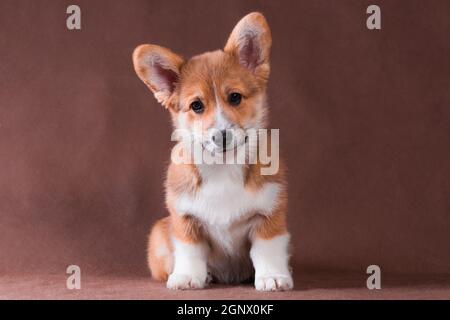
x: 159, y: 68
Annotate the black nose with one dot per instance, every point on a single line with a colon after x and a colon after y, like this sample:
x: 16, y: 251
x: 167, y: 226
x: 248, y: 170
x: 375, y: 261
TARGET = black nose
x: 222, y: 138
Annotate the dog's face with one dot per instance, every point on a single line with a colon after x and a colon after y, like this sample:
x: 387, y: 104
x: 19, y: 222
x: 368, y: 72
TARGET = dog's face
x: 216, y: 96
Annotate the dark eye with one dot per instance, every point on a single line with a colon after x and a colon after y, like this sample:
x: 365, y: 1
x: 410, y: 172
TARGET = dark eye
x: 197, y: 106
x: 234, y: 98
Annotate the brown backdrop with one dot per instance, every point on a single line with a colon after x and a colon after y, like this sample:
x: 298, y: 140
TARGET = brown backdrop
x: 364, y: 118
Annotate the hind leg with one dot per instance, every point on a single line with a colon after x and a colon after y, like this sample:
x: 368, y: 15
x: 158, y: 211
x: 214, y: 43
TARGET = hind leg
x: 160, y: 250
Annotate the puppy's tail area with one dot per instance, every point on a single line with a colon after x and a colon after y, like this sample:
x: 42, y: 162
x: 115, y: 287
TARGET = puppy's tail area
x: 160, y: 250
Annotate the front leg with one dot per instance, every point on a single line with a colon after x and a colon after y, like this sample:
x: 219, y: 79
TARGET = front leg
x: 269, y: 253
x: 190, y: 255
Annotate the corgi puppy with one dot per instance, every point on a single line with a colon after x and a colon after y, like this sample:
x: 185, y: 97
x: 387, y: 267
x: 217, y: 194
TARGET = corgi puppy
x: 227, y: 221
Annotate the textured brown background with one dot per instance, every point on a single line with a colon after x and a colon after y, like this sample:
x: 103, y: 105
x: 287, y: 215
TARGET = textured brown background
x: 364, y: 118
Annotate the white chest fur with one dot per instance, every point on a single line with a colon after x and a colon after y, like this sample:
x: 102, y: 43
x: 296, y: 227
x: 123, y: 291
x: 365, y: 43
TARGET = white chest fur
x: 223, y: 199
x: 221, y: 202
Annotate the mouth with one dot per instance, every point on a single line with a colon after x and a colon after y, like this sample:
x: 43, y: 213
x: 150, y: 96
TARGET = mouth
x: 225, y: 148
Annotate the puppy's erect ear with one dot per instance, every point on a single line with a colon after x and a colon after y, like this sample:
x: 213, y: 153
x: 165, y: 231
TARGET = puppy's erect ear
x: 250, y: 41
x: 159, y: 69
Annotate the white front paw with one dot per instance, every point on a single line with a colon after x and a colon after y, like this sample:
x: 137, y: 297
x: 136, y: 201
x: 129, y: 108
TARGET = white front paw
x: 274, y: 282
x: 183, y: 282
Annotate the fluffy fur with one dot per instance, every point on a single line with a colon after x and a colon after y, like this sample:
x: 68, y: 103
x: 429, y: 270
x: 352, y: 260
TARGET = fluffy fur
x: 227, y: 222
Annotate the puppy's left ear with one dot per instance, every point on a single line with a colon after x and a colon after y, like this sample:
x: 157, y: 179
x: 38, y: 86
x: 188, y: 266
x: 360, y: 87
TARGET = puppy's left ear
x: 250, y: 42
